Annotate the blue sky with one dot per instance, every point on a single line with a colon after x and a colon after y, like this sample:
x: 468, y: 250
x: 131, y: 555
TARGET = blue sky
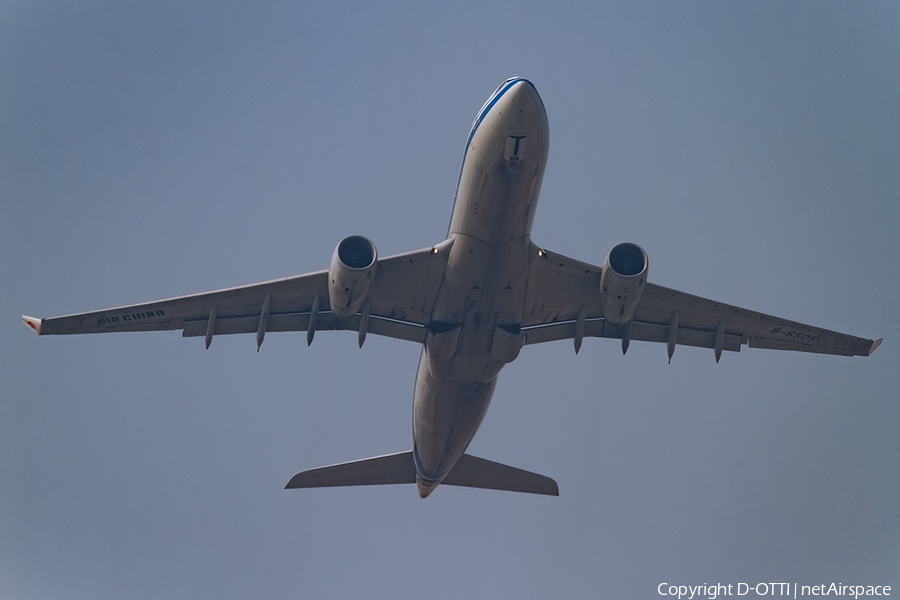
x: 155, y: 150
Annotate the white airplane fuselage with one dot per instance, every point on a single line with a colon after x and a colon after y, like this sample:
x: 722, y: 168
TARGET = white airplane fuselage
x: 475, y: 325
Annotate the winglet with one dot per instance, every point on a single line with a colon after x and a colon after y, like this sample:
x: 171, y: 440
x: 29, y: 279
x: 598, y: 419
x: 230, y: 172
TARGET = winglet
x: 35, y: 324
x: 875, y: 345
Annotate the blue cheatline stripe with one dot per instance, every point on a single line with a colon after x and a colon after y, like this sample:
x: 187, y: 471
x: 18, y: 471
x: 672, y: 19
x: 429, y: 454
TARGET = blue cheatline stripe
x: 478, y: 119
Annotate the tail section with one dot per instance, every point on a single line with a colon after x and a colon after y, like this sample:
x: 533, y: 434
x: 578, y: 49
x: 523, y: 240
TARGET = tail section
x: 469, y: 471
x: 381, y: 470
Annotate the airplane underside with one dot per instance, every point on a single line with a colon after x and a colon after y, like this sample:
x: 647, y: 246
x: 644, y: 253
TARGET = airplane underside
x: 472, y: 302
x: 474, y: 330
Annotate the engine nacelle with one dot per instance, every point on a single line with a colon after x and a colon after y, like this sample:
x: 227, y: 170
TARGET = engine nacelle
x: 622, y: 282
x: 351, y: 274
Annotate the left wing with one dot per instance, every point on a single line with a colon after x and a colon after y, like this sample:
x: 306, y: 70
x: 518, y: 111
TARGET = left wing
x: 400, y: 304
x: 563, y: 302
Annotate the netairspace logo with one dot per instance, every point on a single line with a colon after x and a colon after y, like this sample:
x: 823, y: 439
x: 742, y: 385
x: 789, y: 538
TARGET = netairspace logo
x: 770, y: 589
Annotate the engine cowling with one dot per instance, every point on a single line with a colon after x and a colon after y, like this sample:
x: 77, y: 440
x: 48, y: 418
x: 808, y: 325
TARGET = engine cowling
x: 351, y: 274
x: 622, y: 281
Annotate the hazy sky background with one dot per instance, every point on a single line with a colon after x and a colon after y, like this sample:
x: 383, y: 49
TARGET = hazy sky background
x: 149, y: 150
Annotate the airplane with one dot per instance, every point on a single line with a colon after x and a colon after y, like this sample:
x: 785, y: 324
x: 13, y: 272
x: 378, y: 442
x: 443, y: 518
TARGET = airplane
x: 472, y: 301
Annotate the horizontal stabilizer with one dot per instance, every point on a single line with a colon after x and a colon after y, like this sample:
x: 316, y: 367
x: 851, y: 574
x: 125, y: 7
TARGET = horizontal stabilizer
x: 381, y: 470
x: 471, y: 471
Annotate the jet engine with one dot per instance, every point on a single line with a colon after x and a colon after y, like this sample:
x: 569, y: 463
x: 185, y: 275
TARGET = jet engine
x: 622, y: 281
x: 351, y: 274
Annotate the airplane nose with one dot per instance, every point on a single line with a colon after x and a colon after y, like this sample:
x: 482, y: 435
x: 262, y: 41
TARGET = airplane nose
x: 521, y: 116
x: 523, y: 92
x: 523, y: 106
x: 524, y: 99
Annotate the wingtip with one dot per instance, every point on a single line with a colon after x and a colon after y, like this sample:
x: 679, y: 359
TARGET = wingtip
x: 874, y: 346
x: 32, y: 323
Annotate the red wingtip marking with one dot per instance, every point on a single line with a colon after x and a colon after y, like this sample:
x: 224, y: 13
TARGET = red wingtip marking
x: 30, y: 324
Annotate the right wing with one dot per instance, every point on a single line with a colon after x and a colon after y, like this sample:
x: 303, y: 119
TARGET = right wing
x: 702, y: 319
x: 401, y: 301
x: 563, y: 302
